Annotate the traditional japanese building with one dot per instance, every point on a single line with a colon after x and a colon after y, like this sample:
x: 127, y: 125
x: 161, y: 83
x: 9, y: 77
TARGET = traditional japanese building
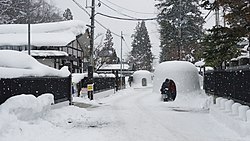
x: 55, y: 44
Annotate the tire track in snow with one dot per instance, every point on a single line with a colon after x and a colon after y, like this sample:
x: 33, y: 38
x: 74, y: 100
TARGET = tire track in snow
x: 140, y: 125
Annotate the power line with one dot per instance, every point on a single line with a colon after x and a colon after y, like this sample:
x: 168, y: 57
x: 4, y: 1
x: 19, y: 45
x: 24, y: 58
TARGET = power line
x: 81, y: 7
x: 95, y: 19
x: 107, y: 29
x: 209, y: 17
x: 207, y: 14
x: 115, y: 10
x: 129, y: 9
x: 127, y: 19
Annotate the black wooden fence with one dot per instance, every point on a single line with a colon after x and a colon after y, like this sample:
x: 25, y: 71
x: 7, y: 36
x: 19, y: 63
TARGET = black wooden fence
x: 233, y: 84
x: 60, y: 87
x: 102, y: 83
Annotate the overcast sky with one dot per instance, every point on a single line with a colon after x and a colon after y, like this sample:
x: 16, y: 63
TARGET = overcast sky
x: 133, y: 8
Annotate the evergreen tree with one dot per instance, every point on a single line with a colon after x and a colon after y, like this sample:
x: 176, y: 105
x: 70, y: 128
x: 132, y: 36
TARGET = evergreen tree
x: 67, y: 15
x: 221, y: 43
x: 237, y: 16
x: 107, y: 53
x: 180, y: 28
x: 141, y: 56
x: 108, y: 41
x: 15, y: 12
x: 221, y: 46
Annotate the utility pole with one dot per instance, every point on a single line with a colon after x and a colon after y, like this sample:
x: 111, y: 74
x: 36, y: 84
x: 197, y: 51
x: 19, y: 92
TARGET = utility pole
x: 91, y: 57
x: 28, y: 20
x: 179, y: 32
x: 121, y: 62
x: 217, y: 14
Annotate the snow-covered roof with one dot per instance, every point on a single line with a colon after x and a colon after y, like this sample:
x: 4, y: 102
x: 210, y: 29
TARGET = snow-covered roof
x: 77, y: 77
x: 46, y: 53
x: 45, y: 34
x: 14, y: 64
x: 200, y: 63
x: 114, y: 67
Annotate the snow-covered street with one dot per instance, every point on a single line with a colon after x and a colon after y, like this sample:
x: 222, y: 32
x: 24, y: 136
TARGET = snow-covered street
x: 130, y: 114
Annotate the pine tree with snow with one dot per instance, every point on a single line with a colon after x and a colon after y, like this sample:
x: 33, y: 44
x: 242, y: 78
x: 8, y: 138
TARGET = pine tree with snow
x: 67, y: 15
x: 108, y: 41
x: 180, y: 28
x: 107, y: 53
x: 141, y: 56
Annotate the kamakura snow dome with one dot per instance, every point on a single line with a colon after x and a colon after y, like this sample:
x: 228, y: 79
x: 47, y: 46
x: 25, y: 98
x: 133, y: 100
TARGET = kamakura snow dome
x: 142, y: 76
x: 184, y: 74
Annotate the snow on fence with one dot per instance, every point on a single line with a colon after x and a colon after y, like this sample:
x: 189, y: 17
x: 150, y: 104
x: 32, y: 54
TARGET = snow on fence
x: 60, y: 87
x: 231, y: 84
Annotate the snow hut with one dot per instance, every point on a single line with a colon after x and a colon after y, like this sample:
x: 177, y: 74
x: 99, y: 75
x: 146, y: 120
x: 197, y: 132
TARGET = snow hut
x: 142, y: 78
x: 184, y: 74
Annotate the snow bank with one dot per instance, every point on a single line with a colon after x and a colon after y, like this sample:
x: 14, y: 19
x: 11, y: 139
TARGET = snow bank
x: 15, y: 64
x: 184, y: 74
x: 27, y: 107
x: 233, y: 115
x: 138, y: 76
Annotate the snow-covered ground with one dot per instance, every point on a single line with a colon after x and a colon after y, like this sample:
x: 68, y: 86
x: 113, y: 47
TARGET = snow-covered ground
x: 130, y: 114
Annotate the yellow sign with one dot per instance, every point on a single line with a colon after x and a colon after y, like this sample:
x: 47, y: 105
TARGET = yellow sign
x: 90, y: 87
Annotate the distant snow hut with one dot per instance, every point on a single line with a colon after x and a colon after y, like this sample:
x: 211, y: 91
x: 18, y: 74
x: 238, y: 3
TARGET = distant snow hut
x: 142, y: 78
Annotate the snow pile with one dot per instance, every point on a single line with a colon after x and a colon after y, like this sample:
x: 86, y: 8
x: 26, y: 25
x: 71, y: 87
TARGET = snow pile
x: 42, y: 34
x: 15, y: 64
x: 27, y: 107
x: 232, y: 114
x: 138, y: 77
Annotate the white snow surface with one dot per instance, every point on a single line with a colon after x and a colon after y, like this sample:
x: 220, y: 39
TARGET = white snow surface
x: 42, y: 34
x: 128, y: 115
x: 113, y: 66
x: 46, y: 53
x: 77, y: 77
x: 15, y: 64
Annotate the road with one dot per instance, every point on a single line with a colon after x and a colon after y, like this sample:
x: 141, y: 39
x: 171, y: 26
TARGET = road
x: 140, y: 115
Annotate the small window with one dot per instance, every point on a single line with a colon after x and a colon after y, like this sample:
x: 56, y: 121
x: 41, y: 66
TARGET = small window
x: 144, y: 82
